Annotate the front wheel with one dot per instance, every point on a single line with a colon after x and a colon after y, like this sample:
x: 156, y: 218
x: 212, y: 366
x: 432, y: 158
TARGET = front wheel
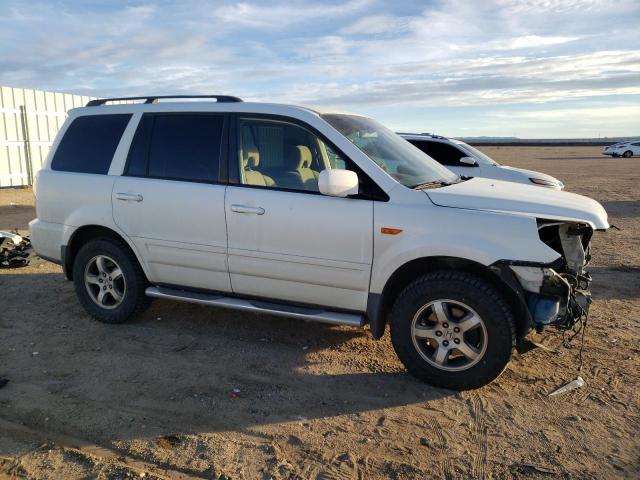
x: 627, y: 154
x: 453, y: 330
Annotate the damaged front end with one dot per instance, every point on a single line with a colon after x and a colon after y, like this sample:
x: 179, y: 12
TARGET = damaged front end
x: 558, y: 294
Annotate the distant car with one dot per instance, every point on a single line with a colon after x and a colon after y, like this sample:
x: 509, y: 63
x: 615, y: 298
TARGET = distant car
x: 468, y: 161
x: 624, y: 149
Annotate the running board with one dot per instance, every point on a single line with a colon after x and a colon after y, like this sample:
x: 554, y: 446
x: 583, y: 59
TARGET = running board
x: 257, y: 306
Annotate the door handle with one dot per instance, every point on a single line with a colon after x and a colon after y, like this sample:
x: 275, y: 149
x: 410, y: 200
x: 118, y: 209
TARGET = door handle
x: 247, y: 209
x: 129, y: 197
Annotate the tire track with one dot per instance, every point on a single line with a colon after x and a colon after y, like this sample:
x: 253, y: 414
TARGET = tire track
x: 479, y: 436
x: 441, y: 446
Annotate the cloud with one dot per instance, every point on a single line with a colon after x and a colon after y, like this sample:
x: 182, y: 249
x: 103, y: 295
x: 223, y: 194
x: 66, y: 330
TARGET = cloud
x: 377, y: 24
x: 278, y: 15
x: 361, y: 54
x: 528, y: 41
x: 596, y: 114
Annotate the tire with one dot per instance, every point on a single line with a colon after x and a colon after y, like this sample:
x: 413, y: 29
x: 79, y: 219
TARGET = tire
x: 627, y: 154
x: 462, y: 295
x: 93, y: 267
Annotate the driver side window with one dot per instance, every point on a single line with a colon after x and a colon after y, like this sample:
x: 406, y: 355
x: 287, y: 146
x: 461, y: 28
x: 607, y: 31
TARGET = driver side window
x: 283, y: 155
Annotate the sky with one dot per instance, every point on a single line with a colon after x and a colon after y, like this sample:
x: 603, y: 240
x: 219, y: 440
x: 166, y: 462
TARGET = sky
x: 530, y: 68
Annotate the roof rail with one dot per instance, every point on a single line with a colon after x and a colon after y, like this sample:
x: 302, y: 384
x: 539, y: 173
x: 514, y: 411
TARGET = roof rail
x: 155, y: 98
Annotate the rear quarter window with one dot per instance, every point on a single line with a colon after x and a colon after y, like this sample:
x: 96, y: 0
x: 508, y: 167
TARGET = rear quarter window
x: 89, y: 144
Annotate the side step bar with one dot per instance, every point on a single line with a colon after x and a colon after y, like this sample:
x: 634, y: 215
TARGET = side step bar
x: 257, y: 306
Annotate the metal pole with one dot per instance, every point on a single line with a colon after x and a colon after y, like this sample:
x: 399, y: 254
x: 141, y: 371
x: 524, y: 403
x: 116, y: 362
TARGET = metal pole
x: 27, y: 144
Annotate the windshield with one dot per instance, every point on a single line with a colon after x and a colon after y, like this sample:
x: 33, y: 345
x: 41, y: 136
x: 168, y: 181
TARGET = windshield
x: 482, y: 157
x: 404, y: 162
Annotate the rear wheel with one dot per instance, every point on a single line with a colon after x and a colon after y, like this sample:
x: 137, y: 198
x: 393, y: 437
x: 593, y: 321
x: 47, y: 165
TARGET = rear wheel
x: 453, y: 330
x: 109, y: 281
x: 627, y: 154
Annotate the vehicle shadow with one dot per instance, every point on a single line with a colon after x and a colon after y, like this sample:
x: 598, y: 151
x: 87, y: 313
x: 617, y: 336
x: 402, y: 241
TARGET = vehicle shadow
x: 182, y: 368
x: 622, y: 208
x: 575, y: 158
x: 15, y: 216
x: 618, y: 282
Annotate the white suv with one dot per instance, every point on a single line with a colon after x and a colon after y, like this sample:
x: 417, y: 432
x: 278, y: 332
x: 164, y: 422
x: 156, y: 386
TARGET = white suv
x: 466, y: 160
x: 330, y: 217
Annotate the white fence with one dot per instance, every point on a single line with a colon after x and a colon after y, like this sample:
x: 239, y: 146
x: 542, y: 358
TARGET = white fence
x: 29, y: 121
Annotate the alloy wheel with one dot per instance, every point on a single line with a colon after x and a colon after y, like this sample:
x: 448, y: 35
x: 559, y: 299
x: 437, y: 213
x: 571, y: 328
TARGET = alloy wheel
x: 105, y: 281
x: 449, y: 335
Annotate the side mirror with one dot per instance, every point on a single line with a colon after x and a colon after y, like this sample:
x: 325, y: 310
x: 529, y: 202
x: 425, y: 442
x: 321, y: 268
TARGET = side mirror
x: 338, y: 183
x: 469, y: 161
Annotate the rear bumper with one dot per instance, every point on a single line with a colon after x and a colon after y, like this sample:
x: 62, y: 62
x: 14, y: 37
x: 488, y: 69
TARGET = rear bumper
x: 47, y: 239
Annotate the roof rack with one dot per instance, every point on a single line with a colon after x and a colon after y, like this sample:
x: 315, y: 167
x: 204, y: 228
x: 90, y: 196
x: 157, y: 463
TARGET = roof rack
x: 155, y: 98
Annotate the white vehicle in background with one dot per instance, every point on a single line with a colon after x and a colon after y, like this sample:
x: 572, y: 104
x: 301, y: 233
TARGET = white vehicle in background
x: 283, y: 210
x: 624, y: 149
x: 468, y: 161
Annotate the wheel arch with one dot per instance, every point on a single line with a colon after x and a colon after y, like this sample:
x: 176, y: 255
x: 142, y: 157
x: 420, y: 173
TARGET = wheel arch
x: 379, y: 305
x: 86, y: 233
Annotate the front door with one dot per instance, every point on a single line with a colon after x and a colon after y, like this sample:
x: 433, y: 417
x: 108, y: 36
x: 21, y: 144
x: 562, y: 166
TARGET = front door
x: 169, y: 203
x: 286, y: 240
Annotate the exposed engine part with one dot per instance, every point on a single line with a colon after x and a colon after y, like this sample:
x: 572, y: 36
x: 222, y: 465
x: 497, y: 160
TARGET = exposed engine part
x: 566, y: 285
x: 529, y: 277
x: 574, y: 252
x: 14, y: 250
x: 544, y: 308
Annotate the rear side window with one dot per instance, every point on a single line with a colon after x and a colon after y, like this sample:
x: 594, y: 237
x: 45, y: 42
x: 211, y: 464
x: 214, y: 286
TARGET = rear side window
x: 177, y: 147
x: 89, y: 144
x: 442, y: 153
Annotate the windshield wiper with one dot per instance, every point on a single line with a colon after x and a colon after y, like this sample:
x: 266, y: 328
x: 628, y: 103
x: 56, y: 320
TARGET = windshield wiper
x: 431, y: 184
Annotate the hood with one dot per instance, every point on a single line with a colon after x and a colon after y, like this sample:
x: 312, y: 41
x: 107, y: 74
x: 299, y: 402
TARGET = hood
x: 533, y: 174
x: 516, y: 198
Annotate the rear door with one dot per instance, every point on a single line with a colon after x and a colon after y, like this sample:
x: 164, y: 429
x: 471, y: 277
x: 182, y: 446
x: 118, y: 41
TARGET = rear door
x: 170, y: 200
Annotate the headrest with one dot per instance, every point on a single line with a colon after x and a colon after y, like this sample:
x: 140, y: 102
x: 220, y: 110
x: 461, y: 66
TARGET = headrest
x: 304, y: 157
x: 250, y: 157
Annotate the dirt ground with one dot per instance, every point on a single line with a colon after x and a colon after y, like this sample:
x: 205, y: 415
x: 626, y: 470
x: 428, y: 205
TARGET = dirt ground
x: 188, y: 391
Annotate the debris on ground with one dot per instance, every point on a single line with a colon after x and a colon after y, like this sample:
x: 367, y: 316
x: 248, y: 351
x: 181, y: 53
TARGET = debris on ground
x: 14, y: 250
x: 3, y: 381
x: 543, y: 347
x: 527, y: 344
x: 567, y: 387
x: 529, y: 468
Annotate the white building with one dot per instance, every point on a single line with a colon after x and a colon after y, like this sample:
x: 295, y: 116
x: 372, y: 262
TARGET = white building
x: 29, y: 121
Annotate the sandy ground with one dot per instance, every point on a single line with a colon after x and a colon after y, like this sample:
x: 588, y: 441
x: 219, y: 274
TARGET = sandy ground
x: 155, y: 397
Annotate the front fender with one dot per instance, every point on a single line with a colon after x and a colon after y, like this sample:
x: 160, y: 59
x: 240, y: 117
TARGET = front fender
x: 431, y: 231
